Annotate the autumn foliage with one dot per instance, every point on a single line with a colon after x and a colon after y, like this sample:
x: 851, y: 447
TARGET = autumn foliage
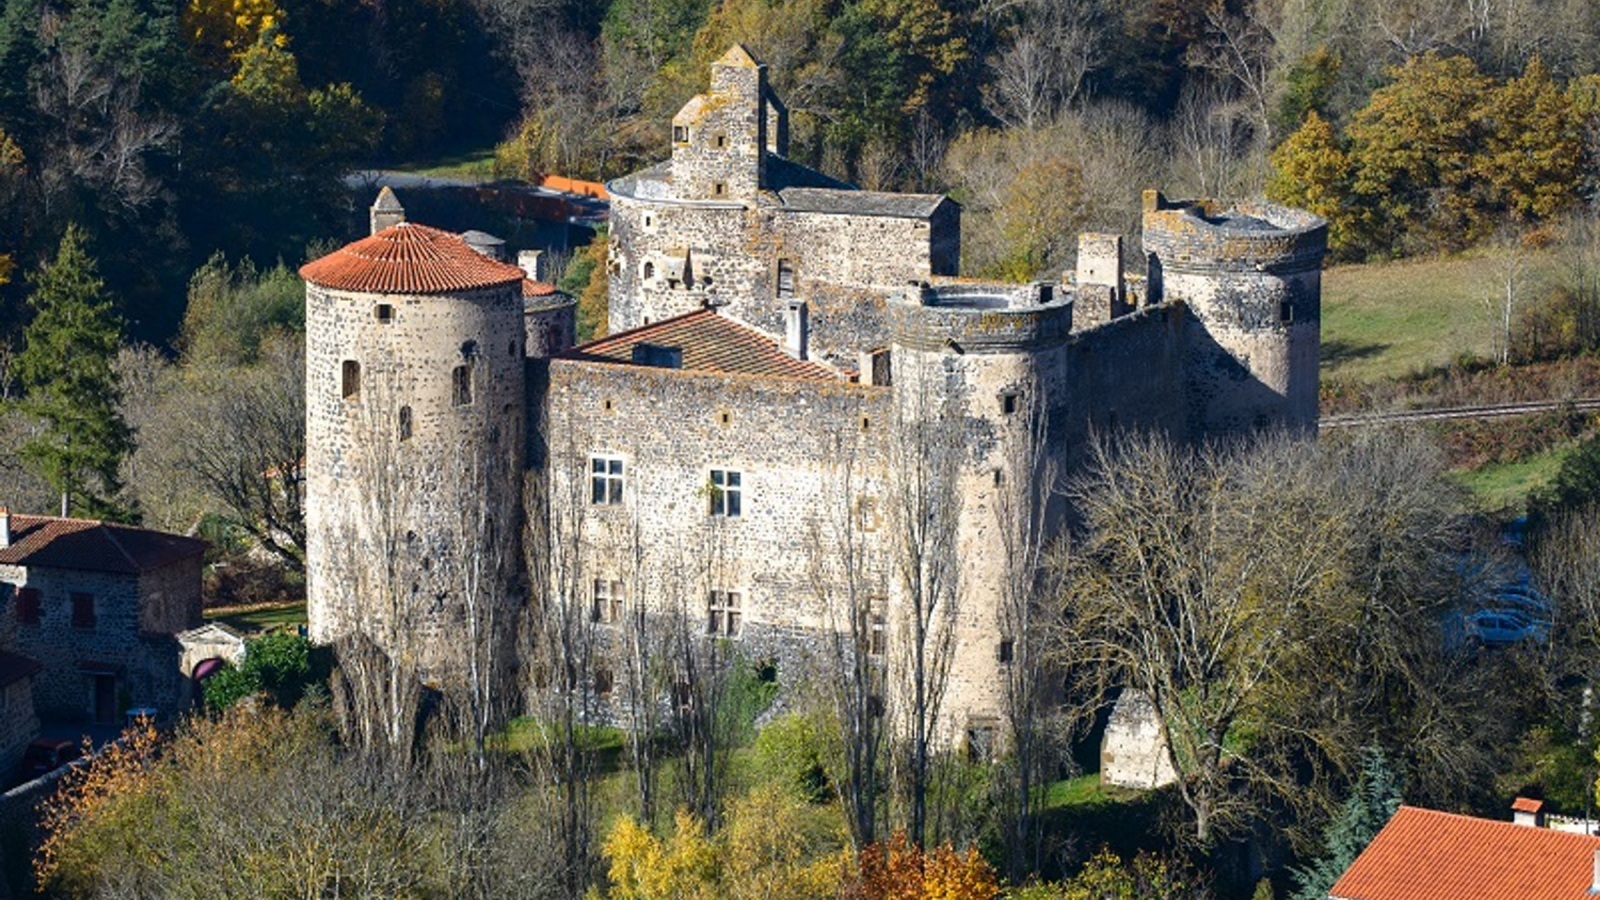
x: 896, y: 869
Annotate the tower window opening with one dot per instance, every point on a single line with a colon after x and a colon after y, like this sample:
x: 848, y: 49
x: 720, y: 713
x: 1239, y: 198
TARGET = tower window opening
x: 720, y: 140
x: 461, y: 386
x: 511, y: 349
x: 384, y: 313
x: 785, y: 288
x: 1008, y: 402
x: 680, y: 134
x: 350, y: 379
x: 404, y: 426
x: 649, y: 270
x: 1286, y: 312
x: 719, y: 189
x: 723, y: 614
x: 605, y: 480
x: 1006, y: 652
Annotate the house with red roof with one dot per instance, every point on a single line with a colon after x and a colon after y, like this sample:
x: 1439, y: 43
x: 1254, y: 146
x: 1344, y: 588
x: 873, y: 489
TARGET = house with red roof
x: 1423, y: 854
x: 96, y: 607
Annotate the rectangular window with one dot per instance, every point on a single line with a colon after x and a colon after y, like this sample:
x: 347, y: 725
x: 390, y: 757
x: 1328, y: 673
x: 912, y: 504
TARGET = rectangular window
x: 727, y: 493
x: 785, y: 279
x: 719, y: 189
x: 723, y: 614
x: 350, y: 379
x: 28, y: 606
x: 680, y: 134
x: 877, y: 635
x: 384, y: 313
x: 1007, y: 651
x: 1286, y: 312
x: 603, y: 682
x: 82, y: 610
x: 461, y: 386
x: 1008, y: 402
x: 608, y: 599
x: 605, y: 480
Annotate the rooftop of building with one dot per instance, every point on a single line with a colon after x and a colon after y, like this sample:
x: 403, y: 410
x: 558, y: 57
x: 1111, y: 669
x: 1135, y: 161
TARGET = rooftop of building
x: 860, y: 203
x: 409, y: 259
x: 701, y: 341
x: 94, y: 546
x: 1426, y: 855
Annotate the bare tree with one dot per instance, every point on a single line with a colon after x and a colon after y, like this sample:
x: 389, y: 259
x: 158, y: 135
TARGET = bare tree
x: 924, y: 512
x: 1513, y: 271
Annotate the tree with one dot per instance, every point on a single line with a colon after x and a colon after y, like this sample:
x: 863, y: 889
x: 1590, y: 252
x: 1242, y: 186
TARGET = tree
x: 69, y: 382
x: 1374, y: 798
x: 1532, y: 151
x: 1312, y: 172
x: 898, y: 869
x: 1106, y: 877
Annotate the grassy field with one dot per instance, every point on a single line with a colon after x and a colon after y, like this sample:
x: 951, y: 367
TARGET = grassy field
x: 1505, y: 486
x: 476, y: 164
x: 261, y: 618
x: 1385, y: 319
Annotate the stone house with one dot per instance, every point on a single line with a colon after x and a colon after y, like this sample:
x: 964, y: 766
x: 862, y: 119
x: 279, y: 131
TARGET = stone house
x: 18, y: 723
x: 794, y: 378
x: 99, y: 605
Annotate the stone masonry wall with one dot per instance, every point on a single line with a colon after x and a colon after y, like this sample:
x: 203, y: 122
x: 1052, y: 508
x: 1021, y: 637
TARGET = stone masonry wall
x: 18, y: 724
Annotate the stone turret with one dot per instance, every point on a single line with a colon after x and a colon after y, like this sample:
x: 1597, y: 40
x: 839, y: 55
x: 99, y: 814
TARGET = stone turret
x: 719, y: 138
x: 1252, y: 275
x: 386, y: 211
x: 415, y: 404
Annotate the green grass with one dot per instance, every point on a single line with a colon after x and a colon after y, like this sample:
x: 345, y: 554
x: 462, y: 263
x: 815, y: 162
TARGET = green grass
x: 1085, y: 791
x: 263, y: 618
x: 1387, y: 319
x: 477, y: 163
x: 1505, y: 486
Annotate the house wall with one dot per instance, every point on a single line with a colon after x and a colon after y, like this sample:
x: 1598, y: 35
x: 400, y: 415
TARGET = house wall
x: 18, y: 723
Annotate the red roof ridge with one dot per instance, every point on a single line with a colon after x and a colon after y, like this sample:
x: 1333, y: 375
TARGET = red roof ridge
x: 409, y: 258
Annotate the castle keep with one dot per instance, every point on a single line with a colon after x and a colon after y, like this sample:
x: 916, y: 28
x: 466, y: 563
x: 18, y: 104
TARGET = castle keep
x: 795, y: 385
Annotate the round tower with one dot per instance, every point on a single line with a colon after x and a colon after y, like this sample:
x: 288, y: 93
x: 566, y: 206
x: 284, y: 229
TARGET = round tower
x: 415, y: 407
x: 974, y: 367
x: 1252, y: 275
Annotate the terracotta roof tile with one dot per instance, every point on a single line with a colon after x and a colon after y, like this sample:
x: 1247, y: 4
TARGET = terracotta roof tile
x: 409, y: 259
x: 15, y: 667
x: 1527, y: 804
x: 1427, y: 855
x: 531, y: 288
x: 94, y: 546
x: 710, y: 343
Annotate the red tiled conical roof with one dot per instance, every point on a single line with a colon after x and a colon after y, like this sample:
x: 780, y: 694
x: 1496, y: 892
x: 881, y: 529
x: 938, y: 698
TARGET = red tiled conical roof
x: 409, y: 259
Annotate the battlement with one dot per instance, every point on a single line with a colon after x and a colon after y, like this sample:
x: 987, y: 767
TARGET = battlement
x: 980, y: 317
x: 1208, y: 235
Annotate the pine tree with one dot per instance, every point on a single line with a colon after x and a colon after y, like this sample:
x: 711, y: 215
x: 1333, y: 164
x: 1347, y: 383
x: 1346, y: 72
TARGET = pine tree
x: 69, y: 384
x: 1373, y: 800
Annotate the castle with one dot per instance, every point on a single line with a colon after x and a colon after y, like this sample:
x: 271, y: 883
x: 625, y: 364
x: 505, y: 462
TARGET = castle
x: 801, y: 425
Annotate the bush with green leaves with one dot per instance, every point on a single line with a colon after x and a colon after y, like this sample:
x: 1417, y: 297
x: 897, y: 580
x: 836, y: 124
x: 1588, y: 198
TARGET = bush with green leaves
x: 279, y: 666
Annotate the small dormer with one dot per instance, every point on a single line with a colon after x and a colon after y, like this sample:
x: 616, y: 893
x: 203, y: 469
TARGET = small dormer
x: 719, y: 138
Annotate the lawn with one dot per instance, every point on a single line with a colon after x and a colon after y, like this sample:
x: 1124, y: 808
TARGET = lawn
x: 261, y: 618
x: 1505, y: 486
x: 1386, y: 319
x: 471, y: 165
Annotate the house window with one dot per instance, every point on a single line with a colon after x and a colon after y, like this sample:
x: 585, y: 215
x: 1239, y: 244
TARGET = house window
x: 384, y: 313
x: 1007, y: 651
x: 723, y: 614
x: 350, y: 379
x: 28, y: 606
x: 867, y: 517
x: 605, y: 480
x: 680, y: 134
x: 785, y: 289
x: 404, y: 425
x: 608, y: 599
x: 726, y: 493
x: 877, y: 634
x: 461, y: 386
x: 82, y: 610
x: 603, y: 682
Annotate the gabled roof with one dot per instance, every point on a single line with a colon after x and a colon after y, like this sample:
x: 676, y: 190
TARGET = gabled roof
x: 409, y: 259
x: 1426, y: 855
x: 709, y: 343
x: 860, y: 203
x: 90, y: 545
x: 14, y: 667
x: 737, y: 55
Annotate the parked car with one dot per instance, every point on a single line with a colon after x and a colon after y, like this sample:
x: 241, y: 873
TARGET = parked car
x: 45, y: 755
x: 1504, y: 626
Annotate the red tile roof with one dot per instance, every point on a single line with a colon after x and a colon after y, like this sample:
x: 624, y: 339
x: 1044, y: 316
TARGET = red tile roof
x: 94, y: 546
x: 1527, y: 805
x: 15, y: 667
x: 710, y: 343
x: 531, y: 288
x: 1427, y: 855
x: 409, y: 259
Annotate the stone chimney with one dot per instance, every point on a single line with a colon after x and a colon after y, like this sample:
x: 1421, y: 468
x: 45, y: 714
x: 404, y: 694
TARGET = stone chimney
x: 5, y: 526
x: 797, y: 330
x: 532, y: 264
x: 1527, y: 811
x: 1102, y: 291
x: 487, y: 244
x: 386, y: 211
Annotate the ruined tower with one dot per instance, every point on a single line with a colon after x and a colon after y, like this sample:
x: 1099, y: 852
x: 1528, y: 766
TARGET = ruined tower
x: 1251, y: 274
x: 415, y: 403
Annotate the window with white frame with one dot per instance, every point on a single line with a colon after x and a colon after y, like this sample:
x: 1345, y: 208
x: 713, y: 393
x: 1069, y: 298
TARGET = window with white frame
x: 727, y: 493
x: 605, y: 480
x: 723, y: 615
x: 608, y: 599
